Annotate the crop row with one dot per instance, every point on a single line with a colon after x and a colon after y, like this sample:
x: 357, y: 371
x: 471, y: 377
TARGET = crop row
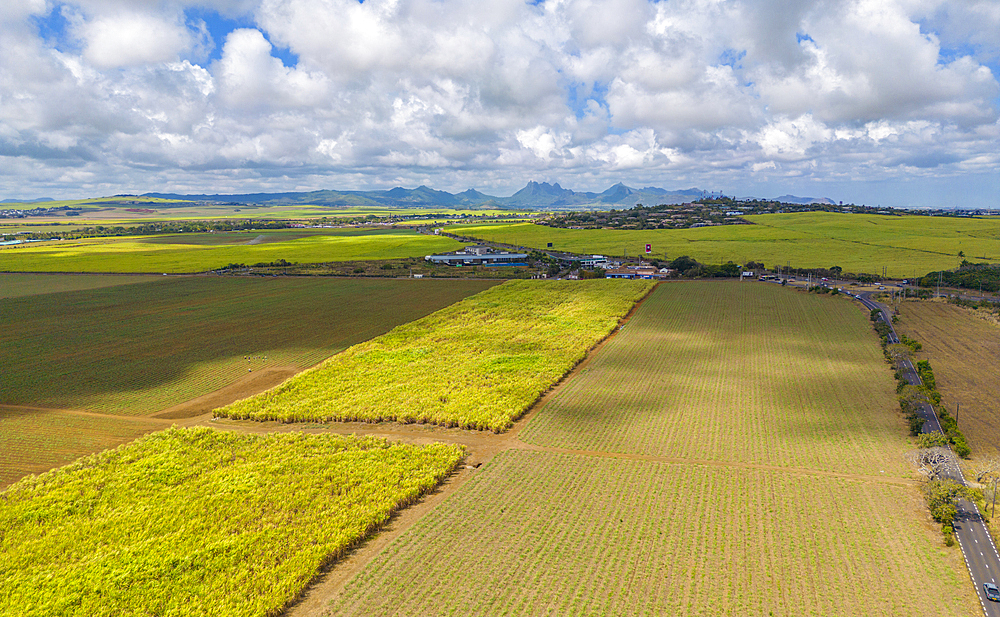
x: 478, y: 364
x: 538, y: 533
x: 746, y: 372
x: 200, y: 522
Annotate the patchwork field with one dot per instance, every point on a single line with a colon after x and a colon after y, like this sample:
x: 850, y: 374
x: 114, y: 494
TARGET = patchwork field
x: 200, y: 522
x: 906, y: 246
x: 20, y: 285
x: 188, y: 253
x: 964, y: 351
x: 480, y: 363
x: 734, y: 450
x: 141, y: 348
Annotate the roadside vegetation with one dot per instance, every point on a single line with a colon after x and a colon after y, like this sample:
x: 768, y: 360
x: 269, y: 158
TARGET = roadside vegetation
x: 480, y: 363
x: 200, y: 522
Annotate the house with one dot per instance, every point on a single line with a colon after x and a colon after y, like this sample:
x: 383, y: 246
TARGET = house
x: 634, y: 272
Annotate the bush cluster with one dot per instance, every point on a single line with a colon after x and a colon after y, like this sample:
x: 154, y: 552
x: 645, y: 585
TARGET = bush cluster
x: 969, y: 275
x: 949, y: 425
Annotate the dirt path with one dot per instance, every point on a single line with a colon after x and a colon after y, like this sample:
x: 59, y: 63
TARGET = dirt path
x: 248, y: 385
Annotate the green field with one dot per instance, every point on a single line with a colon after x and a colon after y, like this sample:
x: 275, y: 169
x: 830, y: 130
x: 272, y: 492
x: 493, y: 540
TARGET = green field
x: 735, y: 450
x: 187, y: 253
x: 137, y: 349
x: 19, y: 285
x: 906, y: 246
x: 480, y: 363
x: 200, y: 522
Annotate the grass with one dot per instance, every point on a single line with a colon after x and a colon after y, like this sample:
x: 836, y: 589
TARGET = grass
x: 962, y: 349
x: 906, y: 246
x: 734, y: 450
x: 34, y: 440
x: 20, y: 285
x: 140, y: 348
x: 200, y: 522
x: 480, y: 363
x: 204, y: 252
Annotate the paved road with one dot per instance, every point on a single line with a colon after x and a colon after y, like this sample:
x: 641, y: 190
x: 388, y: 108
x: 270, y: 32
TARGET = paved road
x: 980, y: 553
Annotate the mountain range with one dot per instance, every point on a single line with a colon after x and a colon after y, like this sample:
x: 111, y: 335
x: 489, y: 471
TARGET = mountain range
x: 534, y: 196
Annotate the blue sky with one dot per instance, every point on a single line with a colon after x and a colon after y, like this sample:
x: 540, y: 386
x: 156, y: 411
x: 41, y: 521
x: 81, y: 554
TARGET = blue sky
x: 894, y: 102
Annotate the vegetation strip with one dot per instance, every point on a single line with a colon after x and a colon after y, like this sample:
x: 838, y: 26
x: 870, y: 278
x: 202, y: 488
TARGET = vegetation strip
x: 480, y: 363
x: 200, y: 522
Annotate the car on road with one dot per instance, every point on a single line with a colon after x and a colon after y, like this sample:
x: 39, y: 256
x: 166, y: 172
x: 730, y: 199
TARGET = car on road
x: 992, y: 593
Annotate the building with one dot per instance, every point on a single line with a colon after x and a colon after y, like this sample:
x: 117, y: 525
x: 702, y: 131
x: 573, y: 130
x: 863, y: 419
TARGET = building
x: 634, y: 272
x: 479, y: 256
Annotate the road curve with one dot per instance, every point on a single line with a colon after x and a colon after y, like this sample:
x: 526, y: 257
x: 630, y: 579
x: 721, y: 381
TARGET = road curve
x: 978, y: 549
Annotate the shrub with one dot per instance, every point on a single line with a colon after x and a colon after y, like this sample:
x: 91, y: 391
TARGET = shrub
x: 949, y: 535
x: 932, y: 440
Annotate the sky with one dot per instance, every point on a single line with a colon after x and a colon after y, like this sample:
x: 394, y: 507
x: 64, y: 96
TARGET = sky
x: 882, y: 102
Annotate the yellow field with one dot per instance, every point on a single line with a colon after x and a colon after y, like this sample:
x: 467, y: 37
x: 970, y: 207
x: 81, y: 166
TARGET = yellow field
x: 479, y: 363
x: 189, y: 253
x: 200, y: 522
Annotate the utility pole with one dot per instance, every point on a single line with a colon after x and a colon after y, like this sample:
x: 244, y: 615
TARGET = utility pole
x: 994, y: 513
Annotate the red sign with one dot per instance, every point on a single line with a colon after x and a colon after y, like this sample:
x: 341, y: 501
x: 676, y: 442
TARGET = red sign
x: 649, y: 249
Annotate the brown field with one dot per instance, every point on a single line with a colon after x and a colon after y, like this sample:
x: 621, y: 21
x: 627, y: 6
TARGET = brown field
x: 964, y: 351
x: 733, y: 450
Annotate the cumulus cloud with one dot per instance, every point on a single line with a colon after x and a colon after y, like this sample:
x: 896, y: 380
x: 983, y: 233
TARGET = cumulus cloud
x: 132, y: 39
x: 457, y: 93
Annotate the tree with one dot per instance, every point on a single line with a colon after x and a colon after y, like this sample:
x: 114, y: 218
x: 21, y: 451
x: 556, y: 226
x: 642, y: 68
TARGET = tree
x: 899, y: 354
x: 985, y: 468
x: 683, y: 263
x: 931, y: 463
